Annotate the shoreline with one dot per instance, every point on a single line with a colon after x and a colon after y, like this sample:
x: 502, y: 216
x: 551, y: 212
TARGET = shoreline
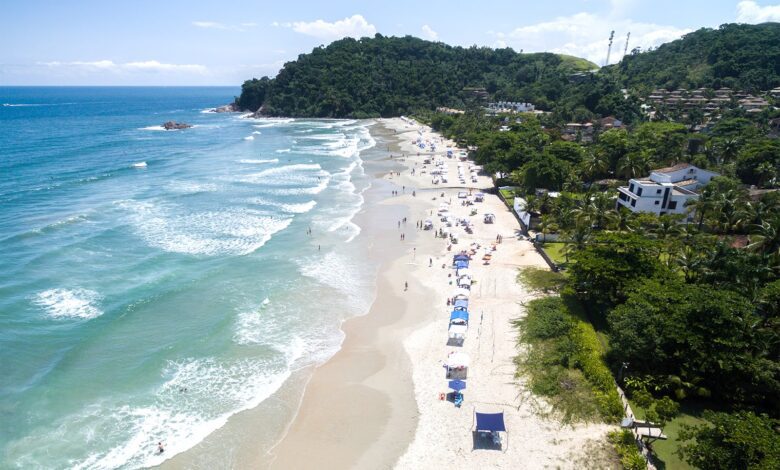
x: 367, y: 384
x: 375, y: 403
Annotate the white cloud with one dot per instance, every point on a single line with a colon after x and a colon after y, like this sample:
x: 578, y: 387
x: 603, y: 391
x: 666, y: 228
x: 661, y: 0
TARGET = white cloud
x: 751, y: 12
x: 429, y: 33
x: 354, y: 26
x: 109, y: 65
x: 587, y: 35
x: 209, y: 25
x: 215, y: 25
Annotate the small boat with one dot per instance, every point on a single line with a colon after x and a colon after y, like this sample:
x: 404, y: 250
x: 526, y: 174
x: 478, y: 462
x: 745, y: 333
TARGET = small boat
x: 139, y: 165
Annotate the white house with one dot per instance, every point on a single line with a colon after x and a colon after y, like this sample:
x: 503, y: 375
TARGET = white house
x: 665, y: 191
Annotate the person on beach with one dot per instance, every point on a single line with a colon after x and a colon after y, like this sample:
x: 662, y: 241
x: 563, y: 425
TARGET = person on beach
x: 430, y: 262
x: 406, y: 286
x: 160, y: 448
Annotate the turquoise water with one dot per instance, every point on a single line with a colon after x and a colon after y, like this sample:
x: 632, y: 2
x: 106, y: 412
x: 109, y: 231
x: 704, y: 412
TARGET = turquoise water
x: 155, y: 282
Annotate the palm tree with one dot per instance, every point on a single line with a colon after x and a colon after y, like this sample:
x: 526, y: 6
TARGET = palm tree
x: 731, y: 211
x: 633, y: 165
x: 701, y: 206
x: 689, y: 260
x: 576, y: 239
x: 766, y: 173
x: 624, y: 220
x: 546, y: 225
x: 667, y: 226
x: 595, y: 164
x: 765, y: 238
x: 728, y: 150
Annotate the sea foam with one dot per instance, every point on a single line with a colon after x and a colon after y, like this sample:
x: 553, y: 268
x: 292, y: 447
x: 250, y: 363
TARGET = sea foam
x: 69, y: 303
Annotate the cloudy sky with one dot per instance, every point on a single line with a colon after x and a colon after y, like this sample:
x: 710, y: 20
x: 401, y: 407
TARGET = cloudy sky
x: 175, y: 42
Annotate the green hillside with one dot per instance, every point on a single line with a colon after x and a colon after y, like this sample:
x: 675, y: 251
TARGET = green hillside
x: 737, y: 56
x: 389, y: 76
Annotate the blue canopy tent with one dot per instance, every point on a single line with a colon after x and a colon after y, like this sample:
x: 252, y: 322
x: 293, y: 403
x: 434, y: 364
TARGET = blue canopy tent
x: 492, y: 423
x: 460, y: 257
x: 459, y: 316
x: 461, y: 304
x: 457, y: 385
x: 461, y: 264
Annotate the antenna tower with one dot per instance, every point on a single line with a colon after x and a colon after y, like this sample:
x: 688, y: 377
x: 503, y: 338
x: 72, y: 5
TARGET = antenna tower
x: 609, y: 49
x: 625, y: 51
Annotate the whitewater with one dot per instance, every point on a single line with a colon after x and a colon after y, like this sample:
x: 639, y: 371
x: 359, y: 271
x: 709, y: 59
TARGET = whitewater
x: 156, y: 282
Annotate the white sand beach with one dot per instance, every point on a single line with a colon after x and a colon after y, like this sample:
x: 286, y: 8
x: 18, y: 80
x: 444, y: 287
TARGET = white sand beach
x: 443, y: 438
x: 376, y: 404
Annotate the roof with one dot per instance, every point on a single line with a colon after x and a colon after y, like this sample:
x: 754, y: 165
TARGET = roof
x: 669, y: 169
x: 490, y: 422
x: 686, y: 182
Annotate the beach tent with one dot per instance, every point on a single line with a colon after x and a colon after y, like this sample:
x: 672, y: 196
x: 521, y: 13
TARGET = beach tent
x: 491, y: 423
x: 462, y: 304
x: 464, y: 272
x: 461, y: 292
x: 464, y: 282
x: 457, y: 365
x: 460, y: 257
x: 457, y: 331
x: 459, y: 317
x: 461, y: 264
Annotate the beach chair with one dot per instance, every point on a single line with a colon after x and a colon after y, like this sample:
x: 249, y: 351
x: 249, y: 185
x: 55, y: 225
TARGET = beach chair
x: 458, y: 399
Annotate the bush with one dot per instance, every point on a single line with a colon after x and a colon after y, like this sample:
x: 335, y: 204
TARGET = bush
x: 565, y: 363
x: 541, y: 280
x: 626, y: 448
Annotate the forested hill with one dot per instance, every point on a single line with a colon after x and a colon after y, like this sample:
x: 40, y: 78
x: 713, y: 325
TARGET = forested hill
x: 738, y: 56
x: 390, y: 76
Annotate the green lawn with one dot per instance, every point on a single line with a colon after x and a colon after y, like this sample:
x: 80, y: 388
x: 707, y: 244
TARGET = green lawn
x: 666, y: 458
x: 509, y: 196
x: 555, y: 251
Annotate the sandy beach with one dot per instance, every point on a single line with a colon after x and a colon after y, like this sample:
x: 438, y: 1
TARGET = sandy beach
x: 376, y: 403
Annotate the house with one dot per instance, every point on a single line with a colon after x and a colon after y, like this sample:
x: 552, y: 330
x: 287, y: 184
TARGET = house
x: 611, y: 122
x: 510, y: 107
x: 665, y: 191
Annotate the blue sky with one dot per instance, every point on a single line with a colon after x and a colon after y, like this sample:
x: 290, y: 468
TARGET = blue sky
x: 175, y: 42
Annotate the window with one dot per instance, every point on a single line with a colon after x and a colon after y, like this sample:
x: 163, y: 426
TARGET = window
x: 658, y: 191
x: 657, y: 202
x: 631, y: 187
x: 639, y: 192
x: 672, y: 205
x: 633, y: 203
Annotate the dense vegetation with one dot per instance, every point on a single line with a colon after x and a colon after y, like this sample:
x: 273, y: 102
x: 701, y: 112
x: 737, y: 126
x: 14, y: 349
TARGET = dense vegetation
x: 565, y: 361
x: 690, y: 309
x: 738, y: 56
x: 390, y: 76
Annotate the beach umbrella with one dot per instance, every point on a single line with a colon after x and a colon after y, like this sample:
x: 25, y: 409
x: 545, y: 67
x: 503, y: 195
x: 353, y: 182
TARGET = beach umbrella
x: 457, y: 385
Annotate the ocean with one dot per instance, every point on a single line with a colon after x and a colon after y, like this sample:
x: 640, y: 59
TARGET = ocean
x: 156, y: 282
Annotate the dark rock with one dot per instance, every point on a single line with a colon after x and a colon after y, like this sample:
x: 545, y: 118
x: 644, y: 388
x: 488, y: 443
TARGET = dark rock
x: 173, y: 125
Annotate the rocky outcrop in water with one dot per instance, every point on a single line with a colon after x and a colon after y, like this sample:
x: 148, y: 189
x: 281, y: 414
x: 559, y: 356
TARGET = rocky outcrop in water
x: 173, y: 125
x: 228, y: 108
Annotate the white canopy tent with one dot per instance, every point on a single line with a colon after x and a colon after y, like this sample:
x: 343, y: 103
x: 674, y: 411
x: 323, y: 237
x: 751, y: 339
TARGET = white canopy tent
x: 458, y: 331
x: 461, y: 292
